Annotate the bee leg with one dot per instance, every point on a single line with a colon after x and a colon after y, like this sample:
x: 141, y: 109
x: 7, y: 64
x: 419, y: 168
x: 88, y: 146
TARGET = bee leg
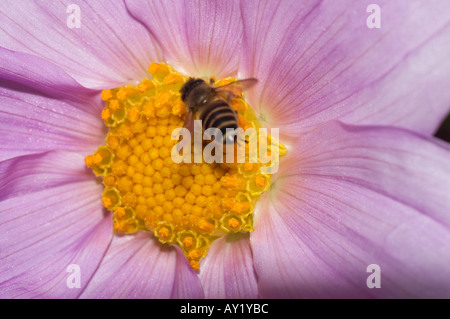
x: 239, y: 141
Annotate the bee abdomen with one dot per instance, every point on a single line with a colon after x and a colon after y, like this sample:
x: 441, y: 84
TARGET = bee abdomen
x: 219, y: 115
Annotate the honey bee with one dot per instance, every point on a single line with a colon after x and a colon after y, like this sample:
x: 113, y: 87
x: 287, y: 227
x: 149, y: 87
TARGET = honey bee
x: 211, y: 105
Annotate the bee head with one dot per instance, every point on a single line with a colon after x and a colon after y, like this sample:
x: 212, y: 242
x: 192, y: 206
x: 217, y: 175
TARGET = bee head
x: 189, y: 86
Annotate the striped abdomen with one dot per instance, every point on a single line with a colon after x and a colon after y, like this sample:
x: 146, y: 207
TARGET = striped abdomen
x: 218, y: 114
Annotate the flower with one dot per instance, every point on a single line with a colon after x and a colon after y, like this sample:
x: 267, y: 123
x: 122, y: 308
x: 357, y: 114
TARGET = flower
x: 363, y: 183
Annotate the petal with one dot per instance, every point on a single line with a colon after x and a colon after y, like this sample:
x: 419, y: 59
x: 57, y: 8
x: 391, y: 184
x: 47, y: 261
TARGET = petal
x: 200, y: 38
x: 348, y: 197
x: 137, y: 266
x: 21, y: 69
x: 109, y: 48
x: 41, y: 111
x: 186, y: 283
x: 33, y: 173
x: 318, y: 61
x: 227, y: 271
x: 51, y: 218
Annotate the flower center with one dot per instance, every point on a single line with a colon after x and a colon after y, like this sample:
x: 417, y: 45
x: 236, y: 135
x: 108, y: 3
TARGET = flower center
x: 186, y: 204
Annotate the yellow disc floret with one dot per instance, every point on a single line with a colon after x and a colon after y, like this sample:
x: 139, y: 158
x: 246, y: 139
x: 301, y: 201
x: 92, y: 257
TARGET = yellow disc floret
x: 186, y: 204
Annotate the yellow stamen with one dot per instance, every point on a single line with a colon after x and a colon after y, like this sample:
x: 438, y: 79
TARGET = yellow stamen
x: 158, y: 68
x: 106, y: 95
x: 106, y: 201
x: 228, y: 203
x: 233, y: 223
x: 173, y: 78
x: 162, y: 99
x: 106, y: 114
x: 188, y: 242
x: 122, y: 94
x: 119, y: 212
x: 178, y: 109
x: 112, y: 142
x: 195, y: 265
x: 241, y: 207
x: 186, y: 204
x: 205, y: 225
x: 109, y: 180
x: 194, y: 254
x: 163, y: 233
x: 250, y: 167
x: 133, y: 115
x: 113, y: 105
x: 260, y: 181
x: 145, y: 85
x: 94, y: 159
x: 119, y: 226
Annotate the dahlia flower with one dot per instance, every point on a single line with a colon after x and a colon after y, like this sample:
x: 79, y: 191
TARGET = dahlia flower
x: 363, y: 189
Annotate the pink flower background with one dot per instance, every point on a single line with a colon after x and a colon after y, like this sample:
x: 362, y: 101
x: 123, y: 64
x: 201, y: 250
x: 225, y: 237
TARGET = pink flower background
x: 364, y: 181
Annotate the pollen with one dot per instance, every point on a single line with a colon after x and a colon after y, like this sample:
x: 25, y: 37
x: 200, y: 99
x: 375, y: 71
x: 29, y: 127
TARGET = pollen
x: 233, y: 223
x: 184, y: 204
x: 106, y: 95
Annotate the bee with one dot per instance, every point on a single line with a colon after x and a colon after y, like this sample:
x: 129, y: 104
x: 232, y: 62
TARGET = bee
x: 211, y: 105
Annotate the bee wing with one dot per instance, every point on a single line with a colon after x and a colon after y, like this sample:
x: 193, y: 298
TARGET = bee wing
x: 236, y: 88
x: 189, y: 124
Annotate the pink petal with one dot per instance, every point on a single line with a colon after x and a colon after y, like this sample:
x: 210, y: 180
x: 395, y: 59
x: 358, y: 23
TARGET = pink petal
x: 318, y: 60
x: 109, y: 49
x: 136, y: 266
x: 41, y: 111
x: 26, y: 70
x: 51, y: 217
x: 186, y: 283
x: 200, y: 38
x: 348, y: 197
x: 227, y: 271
